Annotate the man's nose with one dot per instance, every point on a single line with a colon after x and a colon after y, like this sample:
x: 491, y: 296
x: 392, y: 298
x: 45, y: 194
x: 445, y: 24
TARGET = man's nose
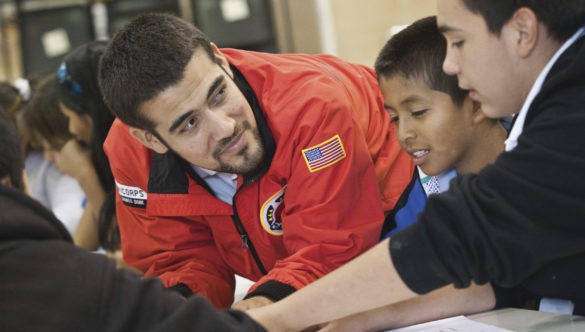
x: 222, y: 124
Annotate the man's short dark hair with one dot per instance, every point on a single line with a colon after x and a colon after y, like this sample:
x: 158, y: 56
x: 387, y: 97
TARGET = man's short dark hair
x: 144, y: 58
x: 418, y: 51
x: 11, y: 153
x: 561, y: 17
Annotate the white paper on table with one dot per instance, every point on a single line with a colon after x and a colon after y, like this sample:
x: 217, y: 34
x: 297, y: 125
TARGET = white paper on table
x: 453, y: 324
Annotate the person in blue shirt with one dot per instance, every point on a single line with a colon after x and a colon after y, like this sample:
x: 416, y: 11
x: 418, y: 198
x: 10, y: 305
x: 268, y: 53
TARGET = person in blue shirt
x: 436, y: 122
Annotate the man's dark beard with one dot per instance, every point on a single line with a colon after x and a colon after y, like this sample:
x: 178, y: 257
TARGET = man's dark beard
x: 251, y: 161
x: 248, y: 166
x: 238, y: 130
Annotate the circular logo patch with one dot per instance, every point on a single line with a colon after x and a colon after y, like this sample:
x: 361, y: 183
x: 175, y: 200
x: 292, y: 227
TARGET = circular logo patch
x: 271, y: 211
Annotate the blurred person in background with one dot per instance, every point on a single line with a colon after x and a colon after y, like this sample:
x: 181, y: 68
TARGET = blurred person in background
x: 57, y: 191
x: 80, y: 100
x: 12, y: 156
x: 44, y: 125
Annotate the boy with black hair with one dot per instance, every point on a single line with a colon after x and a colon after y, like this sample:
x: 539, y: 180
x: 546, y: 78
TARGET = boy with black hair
x: 435, y: 121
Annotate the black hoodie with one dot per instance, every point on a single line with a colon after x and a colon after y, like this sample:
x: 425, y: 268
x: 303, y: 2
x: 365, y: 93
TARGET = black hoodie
x: 47, y: 284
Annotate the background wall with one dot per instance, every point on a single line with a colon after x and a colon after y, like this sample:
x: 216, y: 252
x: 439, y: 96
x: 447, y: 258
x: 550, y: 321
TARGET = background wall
x: 354, y: 30
x: 362, y: 27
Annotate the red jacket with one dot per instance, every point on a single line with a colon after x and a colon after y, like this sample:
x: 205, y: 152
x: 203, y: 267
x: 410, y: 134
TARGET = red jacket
x: 314, y: 205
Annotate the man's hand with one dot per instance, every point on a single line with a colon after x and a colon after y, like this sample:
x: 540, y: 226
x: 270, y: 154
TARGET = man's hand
x: 253, y: 302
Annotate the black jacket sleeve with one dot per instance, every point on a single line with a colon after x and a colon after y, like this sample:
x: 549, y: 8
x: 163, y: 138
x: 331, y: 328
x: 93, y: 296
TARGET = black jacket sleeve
x: 54, y: 286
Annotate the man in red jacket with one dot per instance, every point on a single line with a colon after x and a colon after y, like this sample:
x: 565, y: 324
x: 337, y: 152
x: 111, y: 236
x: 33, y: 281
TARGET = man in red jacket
x: 278, y: 168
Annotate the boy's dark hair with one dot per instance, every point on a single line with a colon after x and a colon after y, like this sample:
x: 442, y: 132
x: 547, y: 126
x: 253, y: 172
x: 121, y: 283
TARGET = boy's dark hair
x: 11, y: 153
x: 77, y: 88
x: 418, y: 51
x: 147, y: 56
x: 561, y: 17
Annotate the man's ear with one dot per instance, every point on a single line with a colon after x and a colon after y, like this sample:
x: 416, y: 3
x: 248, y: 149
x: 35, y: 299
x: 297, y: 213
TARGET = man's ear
x: 221, y: 60
x: 149, y: 140
x: 526, y: 27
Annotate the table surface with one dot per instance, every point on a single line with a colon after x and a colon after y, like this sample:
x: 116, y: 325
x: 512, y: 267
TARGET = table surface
x: 529, y: 320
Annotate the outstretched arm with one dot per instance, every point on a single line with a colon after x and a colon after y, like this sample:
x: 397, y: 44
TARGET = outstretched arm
x: 442, y: 303
x: 367, y: 282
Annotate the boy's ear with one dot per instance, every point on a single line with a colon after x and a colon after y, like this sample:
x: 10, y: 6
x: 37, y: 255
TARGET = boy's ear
x: 149, y: 140
x: 526, y: 27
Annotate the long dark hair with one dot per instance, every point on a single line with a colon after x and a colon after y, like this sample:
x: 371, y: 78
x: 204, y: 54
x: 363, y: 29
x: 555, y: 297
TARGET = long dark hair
x: 43, y: 118
x: 11, y: 156
x: 77, y: 88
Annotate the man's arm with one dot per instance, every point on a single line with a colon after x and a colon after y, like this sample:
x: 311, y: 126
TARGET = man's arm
x: 178, y: 251
x: 332, y: 208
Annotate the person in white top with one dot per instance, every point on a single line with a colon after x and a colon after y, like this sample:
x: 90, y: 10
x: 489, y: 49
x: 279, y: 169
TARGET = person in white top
x: 43, y: 126
x: 58, y: 192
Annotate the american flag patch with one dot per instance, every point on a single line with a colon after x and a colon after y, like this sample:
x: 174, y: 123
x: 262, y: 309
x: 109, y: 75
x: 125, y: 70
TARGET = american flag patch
x: 325, y: 154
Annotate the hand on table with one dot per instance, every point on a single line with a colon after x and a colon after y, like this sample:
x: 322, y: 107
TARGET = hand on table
x: 253, y: 302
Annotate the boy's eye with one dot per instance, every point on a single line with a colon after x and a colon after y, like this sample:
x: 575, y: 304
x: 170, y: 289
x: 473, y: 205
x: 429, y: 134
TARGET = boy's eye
x: 393, y: 118
x: 420, y: 113
x: 457, y: 44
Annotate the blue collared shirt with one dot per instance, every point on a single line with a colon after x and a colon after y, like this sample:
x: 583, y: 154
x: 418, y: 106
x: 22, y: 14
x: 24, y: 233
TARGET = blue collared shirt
x: 224, y: 185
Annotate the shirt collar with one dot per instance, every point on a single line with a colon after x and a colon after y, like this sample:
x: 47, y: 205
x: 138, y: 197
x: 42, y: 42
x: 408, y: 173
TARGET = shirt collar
x: 206, y: 173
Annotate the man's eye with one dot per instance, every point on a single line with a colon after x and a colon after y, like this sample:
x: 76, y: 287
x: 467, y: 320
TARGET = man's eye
x: 218, y: 97
x: 189, y: 125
